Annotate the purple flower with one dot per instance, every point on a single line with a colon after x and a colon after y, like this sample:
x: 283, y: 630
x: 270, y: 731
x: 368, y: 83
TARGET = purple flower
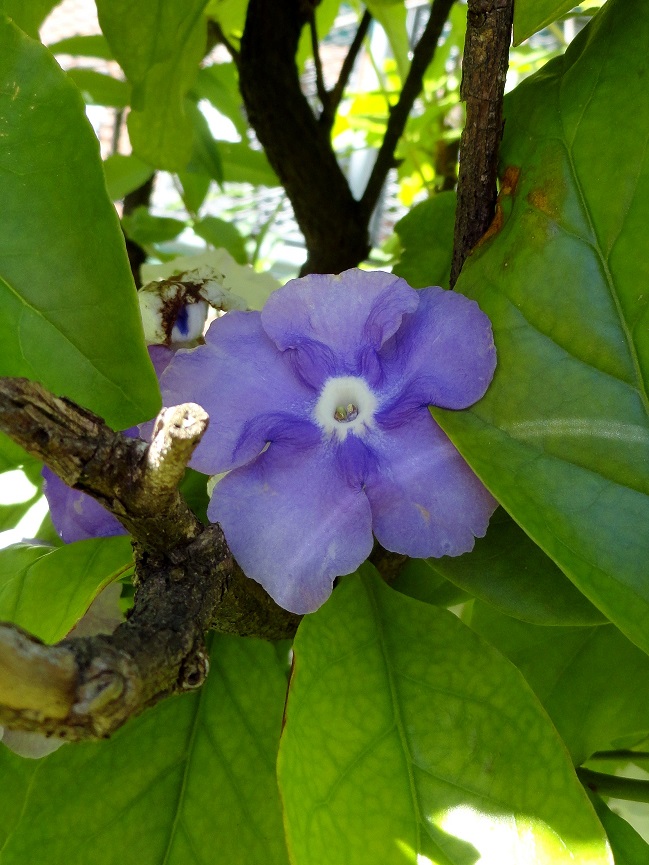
x: 319, y: 414
x: 77, y: 516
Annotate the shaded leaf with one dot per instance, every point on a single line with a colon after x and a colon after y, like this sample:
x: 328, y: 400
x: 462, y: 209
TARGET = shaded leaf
x: 533, y: 15
x: 100, y: 89
x: 46, y: 591
x: 28, y: 14
x: 629, y: 848
x: 145, y: 228
x: 592, y: 681
x: 195, y: 186
x: 93, y: 45
x: 507, y: 570
x: 192, y: 780
x: 407, y: 738
x: 66, y: 289
x: 218, y: 84
x: 562, y: 436
x: 426, y: 235
x: 125, y: 174
x: 241, y: 164
x: 224, y: 235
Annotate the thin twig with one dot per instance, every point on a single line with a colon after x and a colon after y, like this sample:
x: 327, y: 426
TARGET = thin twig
x: 330, y: 106
x: 215, y: 35
x: 421, y: 59
x: 631, y: 789
x: 317, y: 60
x: 484, y: 69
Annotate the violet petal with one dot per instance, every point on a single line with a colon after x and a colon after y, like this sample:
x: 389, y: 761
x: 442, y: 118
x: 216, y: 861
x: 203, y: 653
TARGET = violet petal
x: 443, y: 354
x: 334, y: 325
x: 239, y: 378
x: 426, y: 501
x: 77, y: 516
x: 293, y: 523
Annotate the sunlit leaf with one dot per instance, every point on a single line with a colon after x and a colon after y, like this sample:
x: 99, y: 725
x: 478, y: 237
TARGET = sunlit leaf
x: 69, y: 315
x: 408, y: 739
x: 192, y: 780
x: 159, y: 51
x: 562, y: 435
x: 508, y: 571
x: 629, y: 848
x: 533, y: 15
x: 100, y: 89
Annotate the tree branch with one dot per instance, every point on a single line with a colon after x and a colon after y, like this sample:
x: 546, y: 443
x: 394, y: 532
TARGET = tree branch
x: 484, y: 69
x: 399, y: 113
x: 333, y: 97
x: 317, y: 62
x: 185, y: 578
x: 296, y: 144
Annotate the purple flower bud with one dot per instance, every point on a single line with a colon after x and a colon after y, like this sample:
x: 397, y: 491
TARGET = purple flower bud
x: 319, y: 413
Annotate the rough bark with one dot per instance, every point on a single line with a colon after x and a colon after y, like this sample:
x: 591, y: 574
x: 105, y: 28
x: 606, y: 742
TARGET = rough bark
x: 484, y: 69
x: 186, y: 581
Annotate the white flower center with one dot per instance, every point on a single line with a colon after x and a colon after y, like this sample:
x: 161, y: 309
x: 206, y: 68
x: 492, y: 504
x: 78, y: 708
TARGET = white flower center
x: 346, y: 404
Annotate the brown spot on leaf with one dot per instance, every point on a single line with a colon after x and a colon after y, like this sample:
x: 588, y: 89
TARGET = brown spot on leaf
x: 508, y: 184
x: 509, y: 180
x: 540, y: 200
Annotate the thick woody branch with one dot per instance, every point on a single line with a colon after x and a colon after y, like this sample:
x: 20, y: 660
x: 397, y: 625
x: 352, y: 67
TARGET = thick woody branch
x: 186, y: 580
x: 484, y: 69
x: 399, y: 113
x: 296, y: 143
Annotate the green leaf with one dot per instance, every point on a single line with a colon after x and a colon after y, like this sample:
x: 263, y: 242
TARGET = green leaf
x: 145, y: 228
x: 325, y: 16
x: 192, y: 780
x: 391, y: 15
x: 222, y: 235
x: 230, y: 15
x: 28, y: 14
x: 241, y: 164
x: 195, y: 186
x: 46, y: 591
x: 533, y: 15
x: 426, y: 235
x: 66, y: 290
x: 159, y: 51
x: 574, y: 669
x: 219, y: 85
x: 206, y: 158
x: 561, y: 437
x: 419, y: 580
x: 100, y: 89
x: 629, y: 848
x: 507, y: 570
x: 93, y: 45
x: 125, y: 174
x: 407, y: 738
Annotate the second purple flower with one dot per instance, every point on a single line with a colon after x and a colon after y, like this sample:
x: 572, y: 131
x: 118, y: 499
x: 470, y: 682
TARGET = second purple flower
x: 319, y: 413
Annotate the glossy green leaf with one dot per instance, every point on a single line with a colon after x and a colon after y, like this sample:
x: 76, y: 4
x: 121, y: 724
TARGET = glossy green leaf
x: 593, y: 682
x: 629, y: 848
x: 192, y: 780
x: 159, y: 51
x: 93, y: 45
x: 222, y: 235
x: 99, y: 89
x: 562, y: 436
x: 28, y: 14
x: 533, y: 15
x: 46, y: 591
x: 408, y: 739
x: 426, y: 235
x: 507, y: 570
x: 145, y: 228
x: 66, y: 290
x: 125, y: 174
